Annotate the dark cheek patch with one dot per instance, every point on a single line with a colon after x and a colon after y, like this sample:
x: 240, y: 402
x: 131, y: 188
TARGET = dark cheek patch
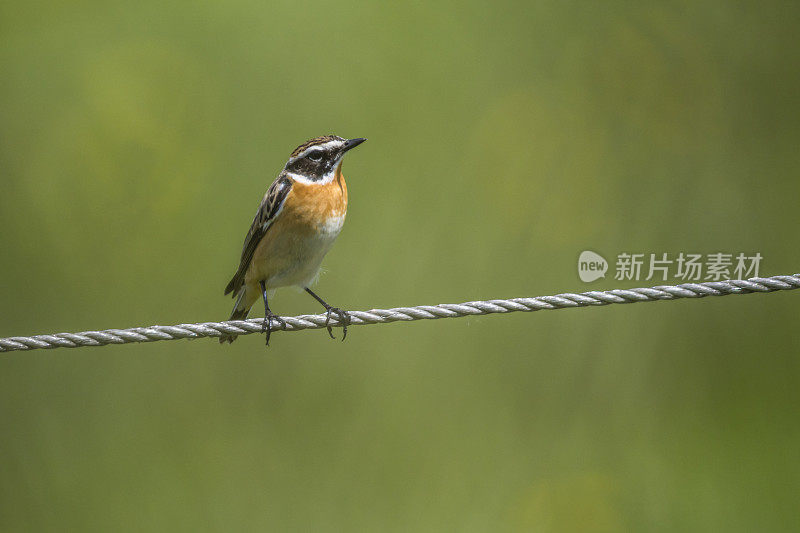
x: 313, y: 170
x: 307, y: 168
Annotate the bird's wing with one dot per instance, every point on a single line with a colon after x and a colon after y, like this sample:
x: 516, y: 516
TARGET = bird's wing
x: 269, y: 209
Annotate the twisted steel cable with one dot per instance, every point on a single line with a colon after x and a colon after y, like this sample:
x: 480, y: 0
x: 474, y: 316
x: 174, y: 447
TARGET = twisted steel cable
x: 420, y: 312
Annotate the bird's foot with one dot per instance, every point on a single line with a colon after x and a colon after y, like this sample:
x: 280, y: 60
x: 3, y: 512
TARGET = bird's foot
x: 344, y: 320
x: 267, y: 328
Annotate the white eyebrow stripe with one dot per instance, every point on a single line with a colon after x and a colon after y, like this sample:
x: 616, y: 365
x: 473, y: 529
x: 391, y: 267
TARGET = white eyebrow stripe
x: 323, y: 146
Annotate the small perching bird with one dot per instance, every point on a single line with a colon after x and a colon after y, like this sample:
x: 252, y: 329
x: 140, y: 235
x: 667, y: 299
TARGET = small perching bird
x: 295, y: 226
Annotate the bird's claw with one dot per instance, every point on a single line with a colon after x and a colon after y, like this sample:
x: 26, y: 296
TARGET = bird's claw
x: 266, y: 326
x: 344, y: 321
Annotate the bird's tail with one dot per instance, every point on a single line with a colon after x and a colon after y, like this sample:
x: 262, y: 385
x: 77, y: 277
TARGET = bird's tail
x: 240, y: 311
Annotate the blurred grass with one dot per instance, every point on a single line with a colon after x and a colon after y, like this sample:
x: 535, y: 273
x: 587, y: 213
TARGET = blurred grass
x: 505, y: 138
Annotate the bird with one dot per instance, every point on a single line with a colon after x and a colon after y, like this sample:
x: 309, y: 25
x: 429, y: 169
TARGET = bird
x: 295, y: 225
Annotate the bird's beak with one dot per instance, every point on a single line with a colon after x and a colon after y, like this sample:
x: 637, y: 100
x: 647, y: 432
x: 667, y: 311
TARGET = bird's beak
x: 352, y: 143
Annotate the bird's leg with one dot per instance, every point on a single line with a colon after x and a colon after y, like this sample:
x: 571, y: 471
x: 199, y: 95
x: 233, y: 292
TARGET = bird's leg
x: 266, y: 327
x: 344, y: 318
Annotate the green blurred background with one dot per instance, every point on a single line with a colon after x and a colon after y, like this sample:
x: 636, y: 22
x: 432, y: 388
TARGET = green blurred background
x: 136, y: 140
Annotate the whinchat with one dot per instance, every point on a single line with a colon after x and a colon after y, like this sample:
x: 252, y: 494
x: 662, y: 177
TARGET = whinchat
x: 295, y: 226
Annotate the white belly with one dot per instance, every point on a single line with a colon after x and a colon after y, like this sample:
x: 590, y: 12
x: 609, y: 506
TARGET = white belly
x: 307, y: 252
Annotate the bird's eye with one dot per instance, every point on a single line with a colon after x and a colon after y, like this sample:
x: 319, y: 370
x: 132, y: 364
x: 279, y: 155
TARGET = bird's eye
x: 316, y: 155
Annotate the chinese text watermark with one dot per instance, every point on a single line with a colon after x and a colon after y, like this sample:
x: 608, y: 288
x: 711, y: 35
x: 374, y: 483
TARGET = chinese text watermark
x: 662, y: 266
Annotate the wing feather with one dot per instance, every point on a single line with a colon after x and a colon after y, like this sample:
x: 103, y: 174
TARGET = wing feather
x: 269, y: 209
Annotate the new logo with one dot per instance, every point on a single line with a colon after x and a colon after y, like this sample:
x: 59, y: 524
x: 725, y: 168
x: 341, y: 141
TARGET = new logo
x: 591, y: 266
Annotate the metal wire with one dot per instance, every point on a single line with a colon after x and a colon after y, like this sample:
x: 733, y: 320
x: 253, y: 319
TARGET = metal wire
x: 420, y: 312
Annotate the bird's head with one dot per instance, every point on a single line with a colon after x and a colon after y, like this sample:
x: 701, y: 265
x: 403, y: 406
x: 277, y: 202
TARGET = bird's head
x: 316, y: 160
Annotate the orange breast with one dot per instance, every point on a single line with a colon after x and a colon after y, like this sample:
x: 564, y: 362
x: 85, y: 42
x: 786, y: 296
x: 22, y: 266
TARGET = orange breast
x: 309, y: 206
